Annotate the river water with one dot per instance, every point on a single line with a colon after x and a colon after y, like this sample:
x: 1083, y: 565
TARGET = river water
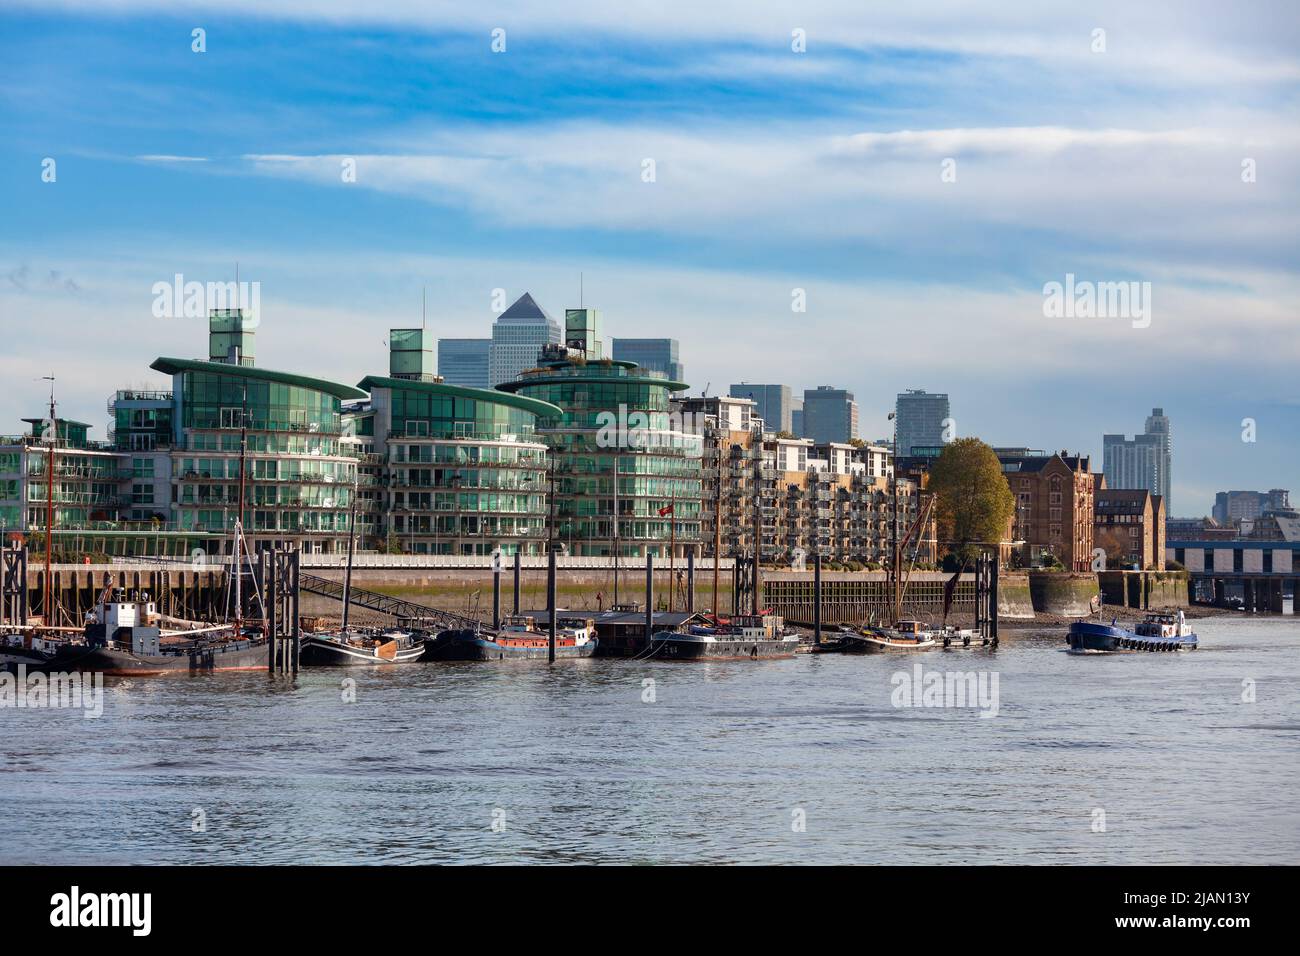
x: 1120, y: 759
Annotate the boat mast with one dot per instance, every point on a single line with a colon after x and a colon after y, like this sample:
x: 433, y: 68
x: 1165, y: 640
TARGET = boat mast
x: 672, y: 548
x: 614, y: 544
x: 49, y: 510
x: 238, y: 565
x: 717, y: 527
x: 352, y: 529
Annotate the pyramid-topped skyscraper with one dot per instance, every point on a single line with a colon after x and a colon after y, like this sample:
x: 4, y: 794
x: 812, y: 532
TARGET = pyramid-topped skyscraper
x: 518, y: 336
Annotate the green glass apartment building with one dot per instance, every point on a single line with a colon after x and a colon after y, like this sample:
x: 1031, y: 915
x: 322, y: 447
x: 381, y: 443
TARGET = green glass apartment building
x: 464, y: 470
x: 299, y: 475
x: 614, y: 419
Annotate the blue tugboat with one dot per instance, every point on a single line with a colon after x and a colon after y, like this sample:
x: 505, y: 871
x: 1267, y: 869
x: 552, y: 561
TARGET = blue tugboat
x: 1157, y: 632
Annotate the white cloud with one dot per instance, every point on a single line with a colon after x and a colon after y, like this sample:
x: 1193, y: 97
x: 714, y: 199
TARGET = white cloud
x: 1108, y: 187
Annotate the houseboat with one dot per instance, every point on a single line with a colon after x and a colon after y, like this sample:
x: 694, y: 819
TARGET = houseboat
x: 518, y: 639
x: 745, y: 637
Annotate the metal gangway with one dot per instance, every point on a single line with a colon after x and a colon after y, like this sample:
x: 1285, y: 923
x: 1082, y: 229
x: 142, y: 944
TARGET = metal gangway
x: 421, y: 615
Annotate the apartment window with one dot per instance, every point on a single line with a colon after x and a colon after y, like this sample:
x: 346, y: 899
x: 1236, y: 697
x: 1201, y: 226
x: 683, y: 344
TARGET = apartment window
x: 1055, y: 498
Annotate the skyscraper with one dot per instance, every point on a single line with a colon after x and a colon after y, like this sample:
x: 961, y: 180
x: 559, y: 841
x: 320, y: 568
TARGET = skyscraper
x: 1143, y: 461
x: 658, y: 355
x: 829, y: 415
x: 464, y: 362
x: 518, y: 335
x: 921, y: 418
x: 774, y: 404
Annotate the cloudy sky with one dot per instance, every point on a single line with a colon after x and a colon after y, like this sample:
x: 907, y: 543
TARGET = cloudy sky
x: 920, y: 170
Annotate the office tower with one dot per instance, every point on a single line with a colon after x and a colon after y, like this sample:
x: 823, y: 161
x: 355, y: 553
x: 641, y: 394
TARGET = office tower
x: 1231, y: 506
x: 921, y: 419
x: 774, y: 404
x: 657, y: 355
x: 829, y: 414
x: 464, y: 362
x: 518, y: 336
x: 1143, y: 461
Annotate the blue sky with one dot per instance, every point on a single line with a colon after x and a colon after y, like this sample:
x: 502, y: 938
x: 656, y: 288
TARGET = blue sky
x: 775, y: 170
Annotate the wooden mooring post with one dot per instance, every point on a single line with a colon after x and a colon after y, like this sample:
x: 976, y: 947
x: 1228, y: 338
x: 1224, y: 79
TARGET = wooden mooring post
x: 278, y: 569
x: 817, y: 596
x: 987, y: 565
x: 13, y: 585
x: 550, y: 606
x: 519, y: 564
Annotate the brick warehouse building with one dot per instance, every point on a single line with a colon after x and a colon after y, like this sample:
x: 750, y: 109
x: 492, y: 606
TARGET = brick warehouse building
x: 1130, y: 526
x: 1055, y: 504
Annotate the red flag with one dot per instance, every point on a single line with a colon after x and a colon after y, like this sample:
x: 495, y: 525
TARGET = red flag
x: 664, y: 512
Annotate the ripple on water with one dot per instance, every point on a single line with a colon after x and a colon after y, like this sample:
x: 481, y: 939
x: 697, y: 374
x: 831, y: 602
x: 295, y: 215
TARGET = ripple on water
x: 581, y: 769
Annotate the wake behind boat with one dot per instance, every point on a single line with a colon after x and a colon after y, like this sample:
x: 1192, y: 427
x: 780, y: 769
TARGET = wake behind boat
x: 1163, y: 631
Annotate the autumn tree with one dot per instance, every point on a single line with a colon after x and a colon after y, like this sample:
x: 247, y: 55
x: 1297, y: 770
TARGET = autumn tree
x: 973, y: 502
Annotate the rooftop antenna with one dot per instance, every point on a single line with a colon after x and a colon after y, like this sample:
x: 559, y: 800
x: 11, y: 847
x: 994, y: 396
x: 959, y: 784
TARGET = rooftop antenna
x: 423, y: 305
x: 580, y: 289
x: 238, y: 304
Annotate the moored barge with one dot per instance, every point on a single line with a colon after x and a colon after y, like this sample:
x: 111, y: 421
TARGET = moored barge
x: 518, y: 639
x: 743, y: 637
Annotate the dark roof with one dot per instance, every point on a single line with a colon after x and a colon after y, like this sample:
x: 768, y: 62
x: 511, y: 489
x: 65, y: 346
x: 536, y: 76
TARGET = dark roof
x: 1122, y: 494
x: 62, y: 421
x: 171, y: 366
x: 670, y: 619
x: 541, y: 379
x: 525, y: 307
x: 534, y: 405
x: 1032, y: 463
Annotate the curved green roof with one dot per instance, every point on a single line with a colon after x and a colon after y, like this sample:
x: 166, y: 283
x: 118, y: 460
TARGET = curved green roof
x: 534, y: 405
x: 170, y: 366
x: 601, y: 379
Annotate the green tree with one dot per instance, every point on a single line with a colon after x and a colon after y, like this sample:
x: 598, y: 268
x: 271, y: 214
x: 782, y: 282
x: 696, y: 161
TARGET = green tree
x: 973, y: 501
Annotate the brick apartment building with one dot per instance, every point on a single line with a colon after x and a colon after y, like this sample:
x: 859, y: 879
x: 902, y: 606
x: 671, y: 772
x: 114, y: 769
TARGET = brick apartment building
x: 1130, y: 526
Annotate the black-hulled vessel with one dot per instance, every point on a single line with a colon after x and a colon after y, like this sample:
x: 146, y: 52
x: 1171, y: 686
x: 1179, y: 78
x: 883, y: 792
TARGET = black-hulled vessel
x: 518, y: 639
x: 124, y: 636
x: 742, y: 637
